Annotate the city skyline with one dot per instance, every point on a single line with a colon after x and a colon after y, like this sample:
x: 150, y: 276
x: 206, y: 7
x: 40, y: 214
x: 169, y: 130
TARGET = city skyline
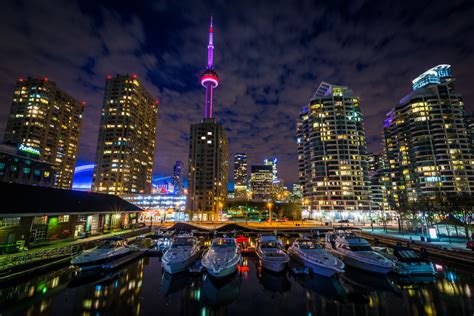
x: 269, y: 70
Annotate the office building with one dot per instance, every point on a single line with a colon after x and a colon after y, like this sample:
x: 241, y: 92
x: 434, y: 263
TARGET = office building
x: 22, y: 165
x: 240, y: 176
x: 261, y: 182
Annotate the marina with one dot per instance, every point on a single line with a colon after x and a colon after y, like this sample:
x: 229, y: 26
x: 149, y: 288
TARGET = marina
x: 138, y: 284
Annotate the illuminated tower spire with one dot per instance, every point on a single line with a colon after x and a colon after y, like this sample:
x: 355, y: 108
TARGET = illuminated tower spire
x: 209, y: 78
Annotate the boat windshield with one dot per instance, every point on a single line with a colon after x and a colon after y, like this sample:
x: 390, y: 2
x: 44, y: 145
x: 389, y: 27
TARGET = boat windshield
x: 223, y: 243
x: 106, y: 244
x: 407, y: 255
x: 182, y: 242
x: 308, y: 244
x: 360, y: 248
x: 269, y: 244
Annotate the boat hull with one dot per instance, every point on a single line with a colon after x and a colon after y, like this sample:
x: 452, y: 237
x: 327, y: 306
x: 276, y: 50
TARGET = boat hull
x: 374, y: 268
x: 99, y: 263
x: 174, y: 267
x: 220, y: 274
x: 273, y: 265
x: 315, y: 268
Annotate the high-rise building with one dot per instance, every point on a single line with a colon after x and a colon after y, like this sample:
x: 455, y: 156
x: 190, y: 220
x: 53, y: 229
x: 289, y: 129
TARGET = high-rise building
x: 273, y: 162
x: 177, y: 177
x: 261, y: 182
x: 47, y: 120
x: 426, y: 141
x: 240, y: 176
x: 208, y: 154
x: 124, y: 157
x: 332, y: 159
x: 469, y: 120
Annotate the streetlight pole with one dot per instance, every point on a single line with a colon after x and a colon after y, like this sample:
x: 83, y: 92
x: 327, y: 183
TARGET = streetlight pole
x: 269, y: 211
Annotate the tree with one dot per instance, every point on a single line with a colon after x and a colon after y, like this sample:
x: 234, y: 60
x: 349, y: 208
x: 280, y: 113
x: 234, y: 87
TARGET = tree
x: 461, y: 206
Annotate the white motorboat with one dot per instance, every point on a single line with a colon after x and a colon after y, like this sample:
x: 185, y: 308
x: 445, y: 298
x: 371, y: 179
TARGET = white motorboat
x: 108, y: 250
x: 407, y: 262
x: 222, y: 257
x: 184, y: 250
x: 309, y: 253
x: 356, y: 252
x: 271, y: 253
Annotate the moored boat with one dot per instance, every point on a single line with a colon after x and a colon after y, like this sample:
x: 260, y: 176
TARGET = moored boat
x: 309, y: 253
x: 356, y: 252
x: 271, y: 254
x: 222, y: 257
x: 183, y: 251
x: 108, y: 250
x: 407, y: 261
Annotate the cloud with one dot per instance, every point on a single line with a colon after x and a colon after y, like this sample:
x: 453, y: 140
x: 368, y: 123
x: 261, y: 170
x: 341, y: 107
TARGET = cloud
x: 270, y: 56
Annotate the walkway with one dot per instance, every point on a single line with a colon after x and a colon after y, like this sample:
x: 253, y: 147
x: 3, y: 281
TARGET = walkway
x: 456, y: 243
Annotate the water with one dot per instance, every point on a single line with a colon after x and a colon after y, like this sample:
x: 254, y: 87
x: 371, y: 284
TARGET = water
x: 140, y: 288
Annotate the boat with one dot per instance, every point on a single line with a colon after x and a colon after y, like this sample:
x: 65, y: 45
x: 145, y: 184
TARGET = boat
x: 184, y: 250
x: 311, y: 254
x: 107, y: 251
x: 222, y: 257
x: 271, y: 254
x: 407, y: 261
x: 356, y: 252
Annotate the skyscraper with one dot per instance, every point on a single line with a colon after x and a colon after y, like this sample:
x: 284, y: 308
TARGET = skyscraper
x: 177, y: 177
x: 273, y: 162
x: 47, y: 120
x: 240, y: 175
x: 426, y: 141
x: 208, y: 153
x: 124, y: 157
x: 332, y: 158
x: 261, y: 182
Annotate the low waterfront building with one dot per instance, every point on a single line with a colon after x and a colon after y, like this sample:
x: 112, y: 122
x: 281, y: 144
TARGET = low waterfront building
x: 160, y: 206
x: 22, y: 165
x: 31, y: 214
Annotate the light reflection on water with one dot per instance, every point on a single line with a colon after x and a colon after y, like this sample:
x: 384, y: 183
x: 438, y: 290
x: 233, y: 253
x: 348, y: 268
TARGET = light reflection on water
x: 140, y: 288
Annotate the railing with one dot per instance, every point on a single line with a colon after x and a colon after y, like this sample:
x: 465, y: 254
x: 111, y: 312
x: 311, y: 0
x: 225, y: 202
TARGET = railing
x: 10, y: 261
x: 460, y: 256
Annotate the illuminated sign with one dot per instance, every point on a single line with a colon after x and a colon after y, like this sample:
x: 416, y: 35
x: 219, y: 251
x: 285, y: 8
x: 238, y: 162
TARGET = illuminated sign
x: 29, y: 149
x: 432, y: 232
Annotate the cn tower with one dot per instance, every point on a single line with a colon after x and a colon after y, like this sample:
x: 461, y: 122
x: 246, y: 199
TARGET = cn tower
x: 209, y: 78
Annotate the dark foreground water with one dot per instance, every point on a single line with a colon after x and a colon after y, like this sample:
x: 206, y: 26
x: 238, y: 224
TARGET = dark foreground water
x: 140, y: 288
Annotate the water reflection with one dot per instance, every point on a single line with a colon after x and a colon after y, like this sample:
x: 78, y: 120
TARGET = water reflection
x: 140, y: 288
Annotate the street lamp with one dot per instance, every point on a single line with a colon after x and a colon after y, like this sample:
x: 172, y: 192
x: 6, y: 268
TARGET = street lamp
x: 269, y: 204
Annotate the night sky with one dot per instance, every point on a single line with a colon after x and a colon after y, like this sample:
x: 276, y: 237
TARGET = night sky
x: 271, y: 57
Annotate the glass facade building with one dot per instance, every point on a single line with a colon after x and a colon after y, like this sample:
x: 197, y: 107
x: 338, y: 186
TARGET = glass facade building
x: 240, y: 176
x: 261, y: 182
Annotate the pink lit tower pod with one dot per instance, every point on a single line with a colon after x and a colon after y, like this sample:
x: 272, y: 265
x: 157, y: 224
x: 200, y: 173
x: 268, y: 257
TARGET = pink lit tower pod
x: 209, y: 78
